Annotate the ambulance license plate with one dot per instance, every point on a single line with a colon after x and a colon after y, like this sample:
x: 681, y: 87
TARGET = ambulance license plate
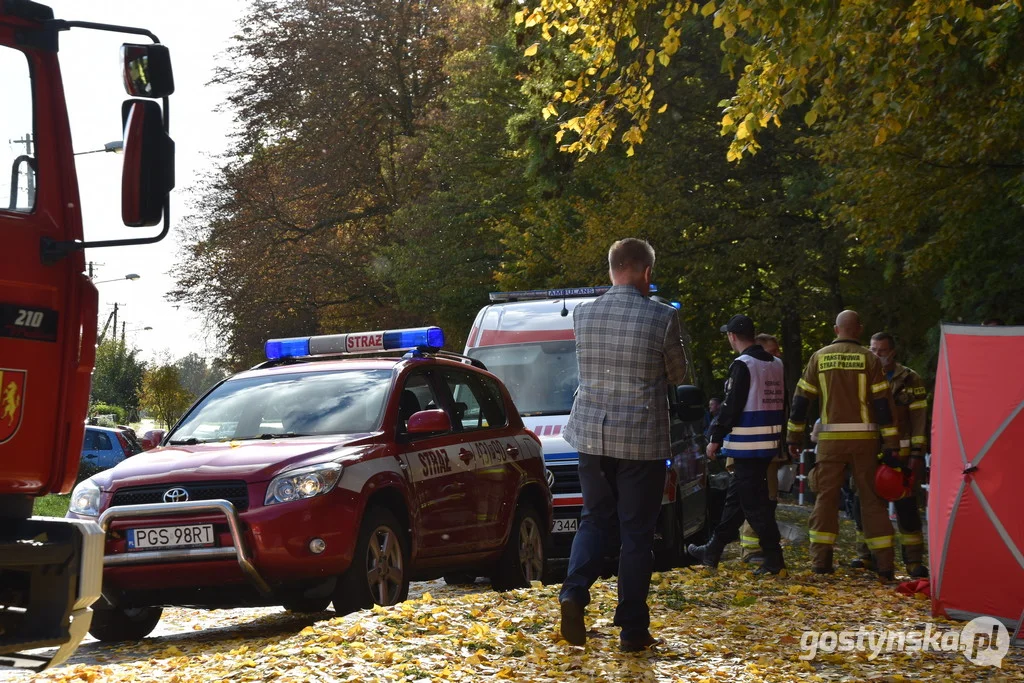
x: 565, y: 526
x: 191, y: 536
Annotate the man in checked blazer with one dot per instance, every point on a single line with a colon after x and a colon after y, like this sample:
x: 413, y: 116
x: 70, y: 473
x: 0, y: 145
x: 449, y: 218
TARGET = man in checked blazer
x: 629, y: 353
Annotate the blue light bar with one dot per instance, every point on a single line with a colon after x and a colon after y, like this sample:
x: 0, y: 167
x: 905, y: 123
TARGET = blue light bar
x: 564, y: 293
x: 287, y: 348
x: 676, y: 305
x: 432, y: 337
x: 355, y: 342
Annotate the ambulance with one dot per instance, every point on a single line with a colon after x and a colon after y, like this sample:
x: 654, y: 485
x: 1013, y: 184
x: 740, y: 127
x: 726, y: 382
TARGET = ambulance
x: 526, y: 339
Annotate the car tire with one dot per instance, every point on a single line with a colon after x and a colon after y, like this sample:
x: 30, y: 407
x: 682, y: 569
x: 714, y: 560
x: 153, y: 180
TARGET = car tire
x: 522, y: 560
x: 379, y: 573
x: 459, y: 579
x: 116, y: 624
x: 303, y: 605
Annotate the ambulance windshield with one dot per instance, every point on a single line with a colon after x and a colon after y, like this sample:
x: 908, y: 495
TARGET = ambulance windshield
x: 542, y: 377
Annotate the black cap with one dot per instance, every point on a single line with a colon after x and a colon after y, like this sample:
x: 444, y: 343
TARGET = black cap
x: 741, y: 325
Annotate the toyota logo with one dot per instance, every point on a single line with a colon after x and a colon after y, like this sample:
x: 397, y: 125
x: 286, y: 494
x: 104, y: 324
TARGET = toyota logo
x: 175, y: 495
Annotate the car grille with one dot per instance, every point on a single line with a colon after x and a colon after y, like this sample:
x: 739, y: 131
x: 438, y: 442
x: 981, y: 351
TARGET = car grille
x: 234, y: 491
x: 567, y: 479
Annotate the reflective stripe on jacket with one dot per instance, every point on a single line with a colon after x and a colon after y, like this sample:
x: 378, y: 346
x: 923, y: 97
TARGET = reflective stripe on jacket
x: 758, y: 430
x: 911, y: 400
x: 855, y: 400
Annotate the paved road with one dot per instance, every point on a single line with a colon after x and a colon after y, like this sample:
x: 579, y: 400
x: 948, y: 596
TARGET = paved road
x: 180, y: 625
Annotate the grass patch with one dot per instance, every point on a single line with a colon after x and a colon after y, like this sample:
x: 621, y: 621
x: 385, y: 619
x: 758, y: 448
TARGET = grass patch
x: 53, y: 505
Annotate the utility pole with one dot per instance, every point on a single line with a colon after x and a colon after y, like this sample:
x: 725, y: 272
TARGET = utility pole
x: 27, y: 141
x: 115, y: 320
x: 90, y: 270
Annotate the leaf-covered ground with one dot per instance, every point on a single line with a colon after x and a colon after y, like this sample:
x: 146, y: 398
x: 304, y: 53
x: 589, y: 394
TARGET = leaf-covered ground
x: 728, y: 626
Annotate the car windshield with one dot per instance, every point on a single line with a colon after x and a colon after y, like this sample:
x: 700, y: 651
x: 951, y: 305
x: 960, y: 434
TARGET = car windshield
x: 295, y: 404
x: 542, y: 377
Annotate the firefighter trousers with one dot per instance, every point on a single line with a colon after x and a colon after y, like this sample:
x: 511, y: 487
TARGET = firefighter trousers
x: 750, y: 542
x: 908, y: 521
x: 824, y: 520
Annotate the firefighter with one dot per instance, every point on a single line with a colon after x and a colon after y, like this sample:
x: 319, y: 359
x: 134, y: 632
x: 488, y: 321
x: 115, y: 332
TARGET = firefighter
x: 911, y: 399
x: 856, y: 406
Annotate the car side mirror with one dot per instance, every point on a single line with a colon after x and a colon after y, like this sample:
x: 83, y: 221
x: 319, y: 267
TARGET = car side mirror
x: 429, y: 422
x: 147, y: 177
x: 689, y: 403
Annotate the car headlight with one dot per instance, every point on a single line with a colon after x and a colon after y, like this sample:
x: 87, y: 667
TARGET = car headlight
x: 85, y: 499
x: 303, y: 483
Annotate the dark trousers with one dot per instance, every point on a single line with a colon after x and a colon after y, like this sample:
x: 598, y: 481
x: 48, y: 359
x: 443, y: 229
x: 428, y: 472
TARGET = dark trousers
x: 625, y: 494
x: 747, y: 498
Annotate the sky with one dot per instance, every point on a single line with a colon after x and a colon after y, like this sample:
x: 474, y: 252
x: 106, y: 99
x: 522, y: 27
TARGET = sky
x: 197, y: 34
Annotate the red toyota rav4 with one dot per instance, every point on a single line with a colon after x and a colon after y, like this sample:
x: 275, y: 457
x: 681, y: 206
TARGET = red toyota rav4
x: 318, y: 477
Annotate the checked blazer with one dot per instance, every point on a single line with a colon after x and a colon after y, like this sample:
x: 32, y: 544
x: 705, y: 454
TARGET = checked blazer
x: 629, y: 351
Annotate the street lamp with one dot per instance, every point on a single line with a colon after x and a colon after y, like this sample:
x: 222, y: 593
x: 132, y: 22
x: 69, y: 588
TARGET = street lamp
x: 129, y: 276
x: 115, y: 146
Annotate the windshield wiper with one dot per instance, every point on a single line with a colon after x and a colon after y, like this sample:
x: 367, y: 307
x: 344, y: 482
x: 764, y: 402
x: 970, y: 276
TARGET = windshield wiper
x: 270, y: 435
x: 190, y: 441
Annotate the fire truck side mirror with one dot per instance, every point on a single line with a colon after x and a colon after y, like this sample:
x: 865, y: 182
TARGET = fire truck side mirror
x: 148, y: 174
x: 147, y: 70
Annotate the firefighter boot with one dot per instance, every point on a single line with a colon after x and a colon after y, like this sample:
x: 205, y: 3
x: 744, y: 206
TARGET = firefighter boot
x: 863, y: 559
x: 822, y: 562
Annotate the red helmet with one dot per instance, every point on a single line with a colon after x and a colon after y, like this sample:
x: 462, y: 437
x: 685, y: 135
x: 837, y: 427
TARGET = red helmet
x: 893, y: 483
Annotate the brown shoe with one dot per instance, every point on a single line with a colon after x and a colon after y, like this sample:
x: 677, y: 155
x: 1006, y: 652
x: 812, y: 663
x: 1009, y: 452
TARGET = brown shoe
x: 573, y: 630
x: 640, y: 644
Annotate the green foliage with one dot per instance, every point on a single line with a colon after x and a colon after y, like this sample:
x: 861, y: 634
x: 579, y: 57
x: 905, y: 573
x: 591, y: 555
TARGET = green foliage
x: 102, y: 409
x: 164, y: 396
x: 53, y: 505
x: 197, y: 376
x: 117, y: 377
x: 395, y: 181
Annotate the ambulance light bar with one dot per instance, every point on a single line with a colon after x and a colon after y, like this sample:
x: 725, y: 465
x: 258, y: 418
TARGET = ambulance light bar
x: 564, y: 293
x: 355, y: 342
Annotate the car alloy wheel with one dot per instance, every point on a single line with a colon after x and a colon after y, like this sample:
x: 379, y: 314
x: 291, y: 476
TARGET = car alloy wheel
x: 531, y: 549
x: 385, y: 568
x: 522, y: 561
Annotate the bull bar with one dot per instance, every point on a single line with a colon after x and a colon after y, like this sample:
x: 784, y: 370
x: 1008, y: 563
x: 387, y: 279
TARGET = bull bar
x: 238, y: 551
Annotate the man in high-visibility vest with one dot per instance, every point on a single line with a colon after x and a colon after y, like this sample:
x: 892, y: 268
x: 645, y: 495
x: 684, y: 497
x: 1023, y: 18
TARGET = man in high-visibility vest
x: 856, y: 409
x: 911, y: 399
x: 748, y: 431
x: 749, y: 541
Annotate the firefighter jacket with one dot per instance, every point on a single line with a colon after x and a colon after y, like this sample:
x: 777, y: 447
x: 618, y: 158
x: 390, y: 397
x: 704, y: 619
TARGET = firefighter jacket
x: 911, y: 399
x: 855, y: 401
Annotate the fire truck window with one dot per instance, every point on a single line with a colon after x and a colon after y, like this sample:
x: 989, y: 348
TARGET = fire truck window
x: 17, y: 140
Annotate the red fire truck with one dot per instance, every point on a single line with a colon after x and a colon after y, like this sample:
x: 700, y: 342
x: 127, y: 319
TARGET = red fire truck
x: 51, y: 569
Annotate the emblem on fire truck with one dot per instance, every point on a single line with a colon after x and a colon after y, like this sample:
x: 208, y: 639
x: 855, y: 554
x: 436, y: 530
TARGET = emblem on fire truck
x: 12, y: 398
